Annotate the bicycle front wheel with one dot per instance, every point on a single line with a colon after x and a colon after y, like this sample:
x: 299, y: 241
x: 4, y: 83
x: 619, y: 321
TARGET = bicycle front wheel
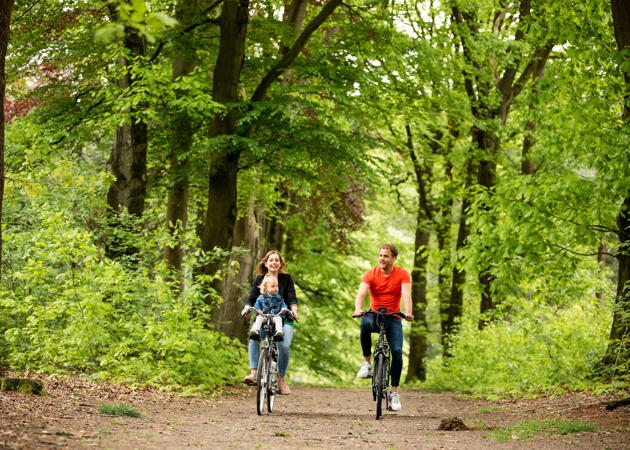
x: 262, y: 380
x: 273, y: 382
x: 379, y: 383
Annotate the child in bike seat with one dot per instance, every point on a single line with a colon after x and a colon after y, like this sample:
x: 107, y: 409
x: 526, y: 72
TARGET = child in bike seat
x: 268, y: 302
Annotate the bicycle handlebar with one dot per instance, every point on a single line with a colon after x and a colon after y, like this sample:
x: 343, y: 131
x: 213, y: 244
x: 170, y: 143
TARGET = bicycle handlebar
x: 249, y: 309
x: 369, y: 311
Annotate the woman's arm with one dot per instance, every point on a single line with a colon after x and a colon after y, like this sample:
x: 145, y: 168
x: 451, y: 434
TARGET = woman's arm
x: 287, y: 289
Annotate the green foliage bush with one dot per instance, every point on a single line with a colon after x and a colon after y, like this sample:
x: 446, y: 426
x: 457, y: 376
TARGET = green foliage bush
x: 542, y: 350
x: 66, y: 308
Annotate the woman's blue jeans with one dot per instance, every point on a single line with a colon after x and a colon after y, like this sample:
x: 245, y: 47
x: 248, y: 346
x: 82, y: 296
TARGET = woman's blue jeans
x: 394, y: 334
x: 284, y: 350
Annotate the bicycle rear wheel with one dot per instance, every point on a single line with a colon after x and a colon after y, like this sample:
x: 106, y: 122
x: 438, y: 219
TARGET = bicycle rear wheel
x: 262, y: 380
x: 380, y: 383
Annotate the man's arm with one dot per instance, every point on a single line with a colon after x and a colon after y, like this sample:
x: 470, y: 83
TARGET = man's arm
x: 358, y: 302
x: 406, y: 295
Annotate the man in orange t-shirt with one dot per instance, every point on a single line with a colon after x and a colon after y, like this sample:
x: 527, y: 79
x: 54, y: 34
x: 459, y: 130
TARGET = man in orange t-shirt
x: 386, y: 284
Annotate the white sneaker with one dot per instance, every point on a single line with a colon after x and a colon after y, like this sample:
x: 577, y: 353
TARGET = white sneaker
x: 365, y: 371
x: 394, y: 402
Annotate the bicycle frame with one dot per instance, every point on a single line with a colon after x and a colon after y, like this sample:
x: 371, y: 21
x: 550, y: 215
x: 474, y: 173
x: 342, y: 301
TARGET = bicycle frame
x: 381, y: 361
x: 381, y: 369
x: 267, y: 373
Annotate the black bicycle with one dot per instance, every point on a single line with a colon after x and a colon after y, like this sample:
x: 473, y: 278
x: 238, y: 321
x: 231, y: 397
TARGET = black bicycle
x: 267, y: 372
x: 381, y: 361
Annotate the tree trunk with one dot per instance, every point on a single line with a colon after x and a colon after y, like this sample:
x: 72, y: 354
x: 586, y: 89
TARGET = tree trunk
x: 444, y: 280
x: 272, y: 235
x: 618, y: 352
x: 127, y: 163
x: 178, y: 190
x: 219, y: 226
x: 418, y: 346
x: 486, y: 111
x: 451, y: 312
x: 478, y: 91
x: 444, y: 225
x: 220, y: 221
x: 128, y: 159
x: 254, y: 231
x: 236, y: 284
x: 5, y: 26
x: 486, y: 177
x: 181, y: 141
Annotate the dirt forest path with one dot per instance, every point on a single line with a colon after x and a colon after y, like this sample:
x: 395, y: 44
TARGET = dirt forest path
x: 309, y: 418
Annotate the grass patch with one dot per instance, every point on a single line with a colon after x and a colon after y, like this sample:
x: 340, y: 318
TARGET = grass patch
x: 490, y: 409
x: 524, y: 431
x: 119, y: 410
x: 281, y: 434
x: 575, y: 427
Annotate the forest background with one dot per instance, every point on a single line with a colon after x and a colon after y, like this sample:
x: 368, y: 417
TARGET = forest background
x: 153, y: 151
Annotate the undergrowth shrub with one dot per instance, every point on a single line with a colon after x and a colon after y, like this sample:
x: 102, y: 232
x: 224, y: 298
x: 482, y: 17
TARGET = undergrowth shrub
x: 67, y: 309
x: 542, y: 350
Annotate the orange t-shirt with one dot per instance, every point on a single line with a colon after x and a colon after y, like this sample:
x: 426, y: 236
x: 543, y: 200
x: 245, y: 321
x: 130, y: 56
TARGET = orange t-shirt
x: 385, y: 291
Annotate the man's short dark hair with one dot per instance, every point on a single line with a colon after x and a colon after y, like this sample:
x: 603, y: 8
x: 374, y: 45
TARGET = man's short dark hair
x: 392, y: 249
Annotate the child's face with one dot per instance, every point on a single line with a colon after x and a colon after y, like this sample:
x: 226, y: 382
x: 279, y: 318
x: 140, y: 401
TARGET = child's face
x: 272, y: 287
